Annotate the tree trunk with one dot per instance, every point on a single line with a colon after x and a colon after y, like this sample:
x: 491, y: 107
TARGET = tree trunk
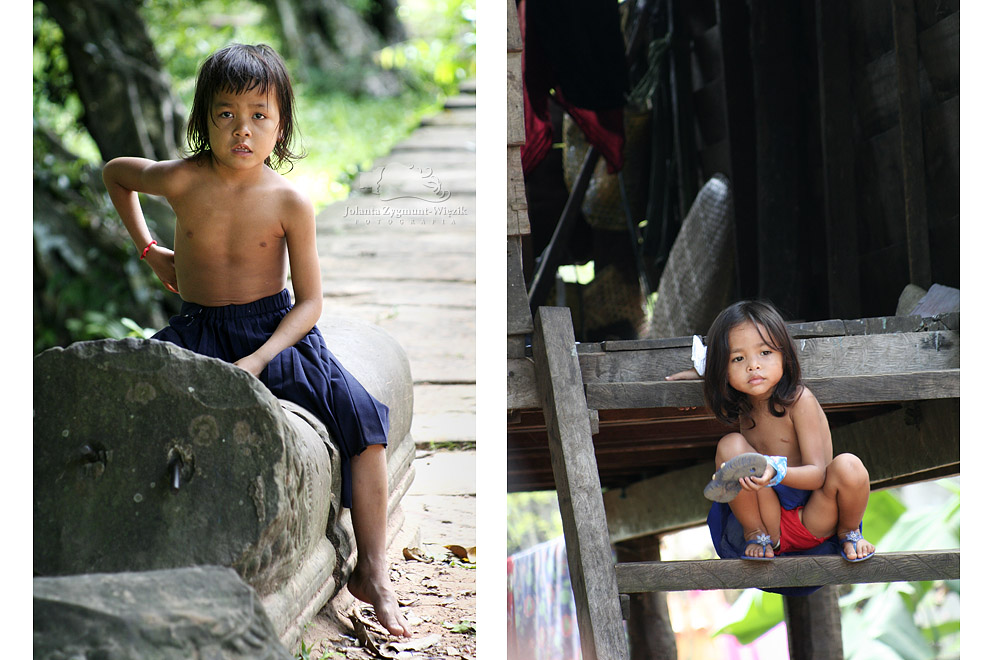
x: 334, y: 38
x: 128, y: 104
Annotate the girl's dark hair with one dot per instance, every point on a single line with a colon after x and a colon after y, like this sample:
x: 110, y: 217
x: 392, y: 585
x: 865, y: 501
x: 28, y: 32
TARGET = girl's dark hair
x: 725, y: 401
x: 236, y: 69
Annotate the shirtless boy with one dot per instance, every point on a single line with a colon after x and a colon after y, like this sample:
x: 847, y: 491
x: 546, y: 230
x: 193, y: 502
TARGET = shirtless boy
x: 240, y: 229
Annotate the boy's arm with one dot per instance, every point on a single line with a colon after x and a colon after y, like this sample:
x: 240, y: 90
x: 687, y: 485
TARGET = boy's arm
x: 124, y: 179
x: 307, y: 287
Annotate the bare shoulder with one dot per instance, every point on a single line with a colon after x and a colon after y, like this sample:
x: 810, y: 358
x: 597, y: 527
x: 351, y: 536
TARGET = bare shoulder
x: 295, y: 206
x: 806, y: 404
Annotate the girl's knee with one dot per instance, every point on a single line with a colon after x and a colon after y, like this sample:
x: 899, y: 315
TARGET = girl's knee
x: 848, y: 469
x: 730, y: 445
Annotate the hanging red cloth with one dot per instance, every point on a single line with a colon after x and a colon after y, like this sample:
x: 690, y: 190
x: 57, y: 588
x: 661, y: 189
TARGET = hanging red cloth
x: 575, y: 49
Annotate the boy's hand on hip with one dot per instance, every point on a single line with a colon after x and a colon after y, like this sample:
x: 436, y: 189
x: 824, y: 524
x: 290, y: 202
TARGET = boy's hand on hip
x: 162, y: 261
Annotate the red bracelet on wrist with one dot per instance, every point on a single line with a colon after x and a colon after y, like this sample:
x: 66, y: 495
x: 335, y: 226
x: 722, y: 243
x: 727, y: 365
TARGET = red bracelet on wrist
x: 145, y: 252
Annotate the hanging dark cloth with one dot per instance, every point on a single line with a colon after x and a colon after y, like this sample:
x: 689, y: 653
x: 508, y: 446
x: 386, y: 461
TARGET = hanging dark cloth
x: 576, y: 49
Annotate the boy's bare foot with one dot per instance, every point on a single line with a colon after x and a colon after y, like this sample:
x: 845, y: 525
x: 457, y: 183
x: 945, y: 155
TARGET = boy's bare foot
x: 855, y: 547
x: 759, y: 545
x: 378, y: 593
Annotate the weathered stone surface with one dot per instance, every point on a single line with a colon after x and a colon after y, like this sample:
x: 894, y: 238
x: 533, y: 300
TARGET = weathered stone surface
x: 204, y: 612
x: 110, y: 417
x: 259, y: 478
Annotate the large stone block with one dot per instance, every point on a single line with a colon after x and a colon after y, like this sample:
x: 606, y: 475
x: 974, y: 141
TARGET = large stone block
x: 117, y: 422
x: 204, y: 612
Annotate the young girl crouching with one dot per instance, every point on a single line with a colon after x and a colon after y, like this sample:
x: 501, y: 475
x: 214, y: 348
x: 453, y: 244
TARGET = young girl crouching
x: 778, y: 488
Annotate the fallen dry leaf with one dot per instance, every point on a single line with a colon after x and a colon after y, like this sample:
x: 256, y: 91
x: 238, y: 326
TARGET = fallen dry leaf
x: 416, y: 554
x: 467, y: 554
x: 414, y: 644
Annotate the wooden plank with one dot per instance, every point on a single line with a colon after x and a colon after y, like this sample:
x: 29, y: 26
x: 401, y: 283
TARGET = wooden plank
x: 648, y: 622
x: 875, y: 325
x: 869, y: 388
x: 658, y: 505
x: 938, y: 48
x: 513, y: 37
x: 838, y: 165
x: 683, y: 113
x: 912, y: 142
x: 737, y: 80
x: 517, y: 209
x: 911, y: 442
x: 814, y: 625
x: 519, y: 321
x: 808, y: 571
x: 515, y: 346
x: 521, y: 385
x: 572, y: 453
x: 515, y: 122
x: 819, y: 357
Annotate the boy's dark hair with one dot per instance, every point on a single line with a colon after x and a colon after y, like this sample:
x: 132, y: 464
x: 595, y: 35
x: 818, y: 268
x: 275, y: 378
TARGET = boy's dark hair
x: 239, y: 68
x: 726, y: 402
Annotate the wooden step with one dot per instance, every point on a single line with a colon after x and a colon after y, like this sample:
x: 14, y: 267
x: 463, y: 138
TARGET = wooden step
x: 808, y: 571
x: 865, y: 388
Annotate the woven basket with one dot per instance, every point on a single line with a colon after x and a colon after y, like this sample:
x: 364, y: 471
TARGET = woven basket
x: 697, y: 280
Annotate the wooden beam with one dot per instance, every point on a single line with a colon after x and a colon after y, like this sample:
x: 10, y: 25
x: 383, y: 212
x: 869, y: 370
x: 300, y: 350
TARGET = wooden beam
x: 516, y: 206
x: 869, y: 388
x: 912, y: 142
x: 912, y: 442
x: 807, y: 571
x: 519, y: 321
x: 819, y: 357
x: 572, y: 453
x: 685, y: 155
x: 521, y: 391
x: 648, y: 622
x: 838, y: 162
x: 814, y: 625
x: 515, y: 122
x: 658, y: 505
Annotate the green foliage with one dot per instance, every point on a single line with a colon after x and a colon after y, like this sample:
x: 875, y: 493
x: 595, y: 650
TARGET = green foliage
x: 753, y: 614
x: 441, y: 50
x: 531, y: 518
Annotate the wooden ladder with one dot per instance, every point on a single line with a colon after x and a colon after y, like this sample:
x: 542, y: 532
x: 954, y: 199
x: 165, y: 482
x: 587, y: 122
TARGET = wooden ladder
x: 598, y: 582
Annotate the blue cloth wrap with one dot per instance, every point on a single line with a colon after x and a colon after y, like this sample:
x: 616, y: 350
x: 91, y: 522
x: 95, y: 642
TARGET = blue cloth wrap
x: 306, y: 374
x: 730, y: 543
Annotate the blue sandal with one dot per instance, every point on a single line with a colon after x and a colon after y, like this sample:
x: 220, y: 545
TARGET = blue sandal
x: 854, y: 537
x: 762, y: 540
x: 724, y: 485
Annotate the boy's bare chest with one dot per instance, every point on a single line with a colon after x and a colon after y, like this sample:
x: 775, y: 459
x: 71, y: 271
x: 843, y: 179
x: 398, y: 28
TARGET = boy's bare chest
x: 226, y: 221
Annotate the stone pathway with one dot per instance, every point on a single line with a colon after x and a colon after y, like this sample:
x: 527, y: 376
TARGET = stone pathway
x: 400, y: 253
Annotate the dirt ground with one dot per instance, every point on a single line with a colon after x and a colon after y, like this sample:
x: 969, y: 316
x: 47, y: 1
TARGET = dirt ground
x: 436, y: 588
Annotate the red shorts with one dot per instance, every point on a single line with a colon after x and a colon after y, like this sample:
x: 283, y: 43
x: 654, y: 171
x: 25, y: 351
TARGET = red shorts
x: 794, y: 536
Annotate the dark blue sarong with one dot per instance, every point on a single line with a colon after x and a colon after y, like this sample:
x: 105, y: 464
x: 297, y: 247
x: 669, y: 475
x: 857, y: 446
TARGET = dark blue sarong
x: 306, y: 374
x: 730, y: 543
